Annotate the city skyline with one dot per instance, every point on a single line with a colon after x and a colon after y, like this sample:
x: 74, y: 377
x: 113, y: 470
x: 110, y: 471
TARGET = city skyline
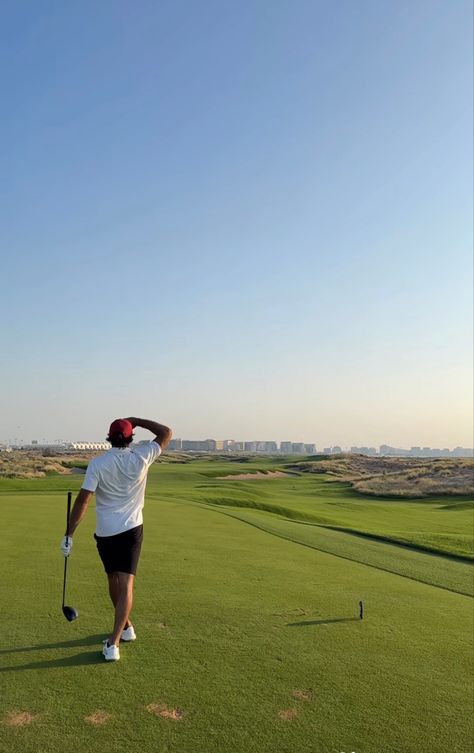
x: 260, y: 447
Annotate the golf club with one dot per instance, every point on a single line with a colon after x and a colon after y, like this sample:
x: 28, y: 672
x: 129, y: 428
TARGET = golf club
x: 70, y: 613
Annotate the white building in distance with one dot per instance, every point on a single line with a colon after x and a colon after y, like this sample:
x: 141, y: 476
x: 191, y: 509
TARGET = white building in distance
x: 89, y: 446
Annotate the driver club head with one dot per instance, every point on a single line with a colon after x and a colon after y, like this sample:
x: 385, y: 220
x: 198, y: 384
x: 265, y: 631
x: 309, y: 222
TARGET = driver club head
x: 70, y: 613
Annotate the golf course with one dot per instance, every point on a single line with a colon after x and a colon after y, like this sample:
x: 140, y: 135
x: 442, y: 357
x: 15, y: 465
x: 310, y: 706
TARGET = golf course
x: 247, y: 612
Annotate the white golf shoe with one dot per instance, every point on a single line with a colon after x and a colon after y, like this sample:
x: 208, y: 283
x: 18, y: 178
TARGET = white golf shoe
x: 112, y: 652
x: 128, y: 634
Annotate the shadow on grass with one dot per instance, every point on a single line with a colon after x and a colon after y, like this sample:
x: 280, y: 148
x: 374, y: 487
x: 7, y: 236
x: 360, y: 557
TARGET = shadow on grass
x: 307, y: 623
x: 89, y: 640
x: 86, y: 658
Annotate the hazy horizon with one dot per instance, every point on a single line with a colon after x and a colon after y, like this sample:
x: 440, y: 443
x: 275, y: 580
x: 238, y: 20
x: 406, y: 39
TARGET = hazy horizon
x: 252, y: 218
x: 141, y: 434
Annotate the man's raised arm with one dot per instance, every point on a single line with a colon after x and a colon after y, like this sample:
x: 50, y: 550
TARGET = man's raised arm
x: 162, y: 433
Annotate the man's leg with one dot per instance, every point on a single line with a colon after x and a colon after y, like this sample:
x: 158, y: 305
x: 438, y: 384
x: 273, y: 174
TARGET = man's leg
x: 122, y: 590
x: 113, y: 587
x: 114, y: 592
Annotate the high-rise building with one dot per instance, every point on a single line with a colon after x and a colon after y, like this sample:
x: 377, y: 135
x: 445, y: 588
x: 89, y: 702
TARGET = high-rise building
x: 250, y: 446
x: 285, y: 448
x: 198, y: 445
x: 175, y: 444
x: 267, y: 447
x: 297, y: 448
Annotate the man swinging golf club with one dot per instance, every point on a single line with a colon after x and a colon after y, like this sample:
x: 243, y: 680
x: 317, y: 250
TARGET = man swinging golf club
x: 118, y: 477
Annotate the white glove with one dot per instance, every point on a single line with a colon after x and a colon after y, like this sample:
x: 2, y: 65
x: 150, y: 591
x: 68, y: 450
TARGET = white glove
x: 66, y: 545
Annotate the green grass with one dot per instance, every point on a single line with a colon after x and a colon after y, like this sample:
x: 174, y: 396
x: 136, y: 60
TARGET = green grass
x: 237, y: 608
x: 438, y: 524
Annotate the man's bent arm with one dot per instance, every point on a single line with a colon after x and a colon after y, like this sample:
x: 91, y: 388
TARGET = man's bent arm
x: 162, y: 433
x: 79, y: 510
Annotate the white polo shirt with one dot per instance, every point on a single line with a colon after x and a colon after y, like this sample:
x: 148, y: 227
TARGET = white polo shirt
x: 119, y: 478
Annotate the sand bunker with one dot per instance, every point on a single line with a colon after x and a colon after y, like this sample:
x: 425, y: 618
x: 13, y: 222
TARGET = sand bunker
x: 258, y: 474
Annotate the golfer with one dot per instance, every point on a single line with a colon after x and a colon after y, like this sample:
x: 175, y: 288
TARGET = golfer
x: 119, y: 478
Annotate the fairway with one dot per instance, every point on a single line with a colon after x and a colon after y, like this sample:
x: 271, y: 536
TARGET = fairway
x: 246, y: 612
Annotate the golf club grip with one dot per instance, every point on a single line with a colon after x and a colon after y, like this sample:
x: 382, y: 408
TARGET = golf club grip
x: 68, y: 513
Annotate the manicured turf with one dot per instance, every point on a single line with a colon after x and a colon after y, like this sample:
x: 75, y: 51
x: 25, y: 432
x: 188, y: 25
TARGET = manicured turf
x: 251, y: 635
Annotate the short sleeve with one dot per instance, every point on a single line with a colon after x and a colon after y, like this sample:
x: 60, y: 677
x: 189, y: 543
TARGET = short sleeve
x: 91, y: 479
x: 149, y: 451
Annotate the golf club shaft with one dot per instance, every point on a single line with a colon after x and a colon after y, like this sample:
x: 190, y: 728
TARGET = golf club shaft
x: 64, y: 580
x: 68, y: 513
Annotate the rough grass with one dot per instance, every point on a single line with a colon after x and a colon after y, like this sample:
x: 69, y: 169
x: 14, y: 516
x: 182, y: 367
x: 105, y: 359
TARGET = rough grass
x: 24, y: 465
x: 397, y: 477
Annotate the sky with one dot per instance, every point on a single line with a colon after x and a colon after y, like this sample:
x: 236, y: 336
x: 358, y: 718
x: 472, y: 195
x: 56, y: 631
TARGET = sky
x: 245, y: 220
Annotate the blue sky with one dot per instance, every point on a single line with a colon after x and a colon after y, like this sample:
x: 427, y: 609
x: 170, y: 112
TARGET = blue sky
x: 248, y: 220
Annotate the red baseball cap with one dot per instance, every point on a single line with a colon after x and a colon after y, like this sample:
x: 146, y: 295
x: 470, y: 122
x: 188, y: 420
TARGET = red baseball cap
x: 121, y: 426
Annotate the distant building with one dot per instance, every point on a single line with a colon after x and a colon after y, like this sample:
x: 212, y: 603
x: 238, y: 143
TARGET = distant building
x: 175, y: 444
x: 87, y: 446
x: 267, y: 447
x: 463, y: 452
x: 427, y: 452
x: 310, y: 449
x: 364, y: 450
x: 297, y: 448
x: 198, y: 445
x: 285, y: 448
x: 385, y: 449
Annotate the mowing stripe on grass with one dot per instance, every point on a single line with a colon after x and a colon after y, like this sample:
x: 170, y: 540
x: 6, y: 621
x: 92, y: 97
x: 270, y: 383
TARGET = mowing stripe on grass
x: 428, y: 568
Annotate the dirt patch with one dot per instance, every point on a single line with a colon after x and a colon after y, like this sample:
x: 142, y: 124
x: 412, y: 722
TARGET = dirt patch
x: 303, y: 695
x: 298, y: 612
x: 163, y: 626
x: 159, y: 709
x: 245, y: 476
x: 97, y: 718
x: 19, y: 718
x: 287, y: 715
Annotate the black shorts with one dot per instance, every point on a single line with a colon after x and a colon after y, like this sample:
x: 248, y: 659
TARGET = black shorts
x: 120, y: 553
